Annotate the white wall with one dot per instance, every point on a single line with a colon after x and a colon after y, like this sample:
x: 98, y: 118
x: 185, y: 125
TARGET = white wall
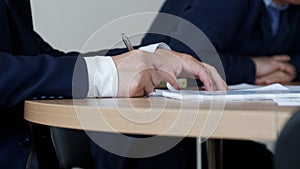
x: 67, y: 24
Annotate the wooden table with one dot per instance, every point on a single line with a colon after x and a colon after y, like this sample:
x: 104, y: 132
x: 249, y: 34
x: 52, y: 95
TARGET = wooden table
x: 239, y: 120
x: 248, y: 120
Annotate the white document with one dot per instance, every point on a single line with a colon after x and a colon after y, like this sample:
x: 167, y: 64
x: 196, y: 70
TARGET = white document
x: 295, y: 88
x: 237, y: 93
x: 288, y: 102
x: 249, y: 87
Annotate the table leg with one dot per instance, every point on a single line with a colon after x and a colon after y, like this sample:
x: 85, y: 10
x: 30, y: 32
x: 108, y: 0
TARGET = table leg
x: 214, y: 153
x: 199, y: 156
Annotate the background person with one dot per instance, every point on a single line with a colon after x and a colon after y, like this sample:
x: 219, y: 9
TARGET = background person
x: 257, y: 41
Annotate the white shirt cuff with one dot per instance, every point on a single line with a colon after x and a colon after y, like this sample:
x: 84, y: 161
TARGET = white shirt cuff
x: 152, y: 48
x: 103, y: 77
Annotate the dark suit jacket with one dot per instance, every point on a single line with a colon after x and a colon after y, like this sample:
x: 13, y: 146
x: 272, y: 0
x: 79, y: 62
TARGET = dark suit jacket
x: 237, y: 29
x: 29, y: 68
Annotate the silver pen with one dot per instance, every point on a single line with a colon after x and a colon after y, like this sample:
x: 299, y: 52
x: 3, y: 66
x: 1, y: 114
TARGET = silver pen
x: 127, y: 42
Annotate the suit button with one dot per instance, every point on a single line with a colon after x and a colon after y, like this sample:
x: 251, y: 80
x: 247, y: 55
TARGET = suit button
x: 24, y: 142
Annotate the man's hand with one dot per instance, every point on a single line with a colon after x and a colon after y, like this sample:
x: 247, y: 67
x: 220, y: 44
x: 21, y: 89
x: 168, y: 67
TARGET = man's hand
x: 276, y: 77
x: 139, y: 72
x: 267, y: 65
x: 274, y: 69
x: 184, y: 65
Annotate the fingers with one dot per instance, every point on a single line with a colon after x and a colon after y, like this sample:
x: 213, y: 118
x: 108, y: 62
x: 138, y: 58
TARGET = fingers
x: 169, y: 77
x: 177, y: 64
x: 149, y: 88
x: 282, y: 63
x: 264, y: 81
x: 276, y: 77
x: 203, y: 74
x: 146, y: 81
x: 217, y: 82
x: 282, y: 58
x: 192, y: 68
x: 155, y: 77
x: 206, y: 73
x: 150, y: 84
x: 140, y: 72
x: 288, y: 68
x: 142, y: 84
x: 134, y: 74
x: 270, y: 79
x: 274, y: 69
x: 267, y: 65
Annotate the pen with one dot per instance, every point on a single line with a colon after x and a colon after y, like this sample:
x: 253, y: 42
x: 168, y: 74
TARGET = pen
x: 126, y: 42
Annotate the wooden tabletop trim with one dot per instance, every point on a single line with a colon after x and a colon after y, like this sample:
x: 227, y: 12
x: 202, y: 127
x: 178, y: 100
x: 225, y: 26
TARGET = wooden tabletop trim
x: 239, y: 120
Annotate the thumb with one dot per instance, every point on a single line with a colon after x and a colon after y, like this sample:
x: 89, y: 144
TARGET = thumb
x: 170, y: 78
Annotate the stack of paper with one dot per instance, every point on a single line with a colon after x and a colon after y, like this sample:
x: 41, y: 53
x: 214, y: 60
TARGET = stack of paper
x: 236, y: 92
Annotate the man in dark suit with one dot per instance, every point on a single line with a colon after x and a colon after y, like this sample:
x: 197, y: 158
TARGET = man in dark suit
x: 258, y: 42
x: 31, y: 69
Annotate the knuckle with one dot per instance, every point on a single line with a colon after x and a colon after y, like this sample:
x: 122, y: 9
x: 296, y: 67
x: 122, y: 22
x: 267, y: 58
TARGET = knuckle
x: 138, y: 52
x: 186, y: 55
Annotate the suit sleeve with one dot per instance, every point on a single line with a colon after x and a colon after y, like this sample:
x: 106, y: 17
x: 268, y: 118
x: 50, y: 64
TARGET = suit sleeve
x: 30, y: 67
x: 26, y: 77
x: 295, y: 50
x: 296, y: 62
x: 219, y: 21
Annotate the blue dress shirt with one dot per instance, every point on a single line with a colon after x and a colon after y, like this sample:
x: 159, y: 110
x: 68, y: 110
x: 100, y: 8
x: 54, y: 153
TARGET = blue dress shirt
x: 274, y: 12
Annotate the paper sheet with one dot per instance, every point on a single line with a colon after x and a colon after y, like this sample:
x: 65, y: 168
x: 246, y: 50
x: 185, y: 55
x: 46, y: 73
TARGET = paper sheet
x: 237, y: 93
x: 288, y: 102
x: 249, y: 87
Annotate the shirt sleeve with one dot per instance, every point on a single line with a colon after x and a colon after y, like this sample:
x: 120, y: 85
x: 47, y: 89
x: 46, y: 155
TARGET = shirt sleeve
x: 103, y: 75
x: 103, y: 78
x: 153, y: 47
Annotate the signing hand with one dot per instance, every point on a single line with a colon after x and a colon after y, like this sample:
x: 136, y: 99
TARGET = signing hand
x: 184, y: 65
x: 140, y: 72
